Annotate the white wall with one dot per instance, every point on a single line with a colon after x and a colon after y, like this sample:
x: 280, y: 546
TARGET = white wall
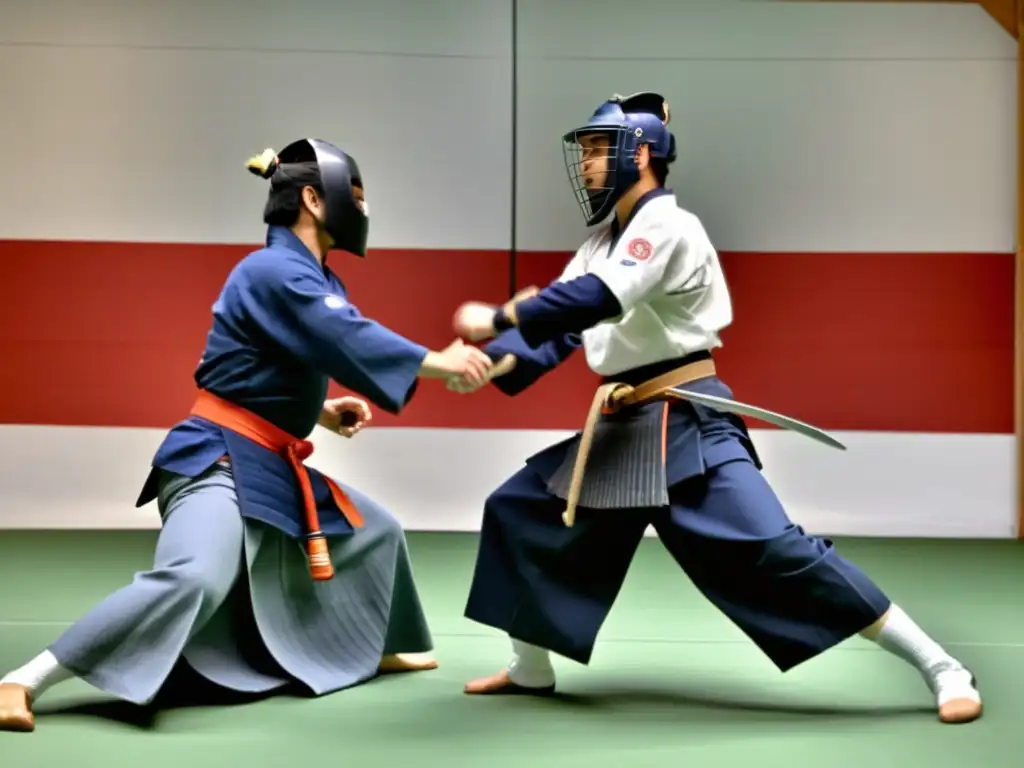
x: 802, y: 127
x: 891, y: 485
x: 136, y: 118
x: 889, y: 127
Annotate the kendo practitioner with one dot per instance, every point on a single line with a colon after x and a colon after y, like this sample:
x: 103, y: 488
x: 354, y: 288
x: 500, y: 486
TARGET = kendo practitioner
x: 646, y: 298
x: 266, y: 572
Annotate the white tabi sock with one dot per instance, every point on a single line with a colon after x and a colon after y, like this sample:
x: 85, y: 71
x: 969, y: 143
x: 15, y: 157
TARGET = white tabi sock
x: 947, y: 677
x: 43, y: 672
x: 531, y: 666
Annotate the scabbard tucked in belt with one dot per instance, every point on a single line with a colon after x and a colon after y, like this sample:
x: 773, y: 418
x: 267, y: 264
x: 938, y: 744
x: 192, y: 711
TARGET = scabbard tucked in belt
x: 614, y: 396
x: 247, y: 424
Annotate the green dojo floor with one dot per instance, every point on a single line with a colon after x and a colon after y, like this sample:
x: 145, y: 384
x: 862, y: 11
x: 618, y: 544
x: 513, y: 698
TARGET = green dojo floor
x: 672, y: 682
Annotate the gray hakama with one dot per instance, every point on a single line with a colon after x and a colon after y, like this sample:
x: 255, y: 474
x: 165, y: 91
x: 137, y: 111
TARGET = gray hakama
x: 216, y: 574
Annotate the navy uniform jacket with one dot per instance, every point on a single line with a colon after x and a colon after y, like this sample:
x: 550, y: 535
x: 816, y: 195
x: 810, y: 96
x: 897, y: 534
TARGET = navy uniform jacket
x: 282, y: 328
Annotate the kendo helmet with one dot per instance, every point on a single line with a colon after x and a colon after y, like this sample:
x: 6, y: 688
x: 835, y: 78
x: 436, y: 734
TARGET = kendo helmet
x: 345, y: 220
x: 628, y: 122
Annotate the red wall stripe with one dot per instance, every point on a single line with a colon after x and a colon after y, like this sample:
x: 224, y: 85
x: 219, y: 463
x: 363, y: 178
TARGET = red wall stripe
x: 107, y: 334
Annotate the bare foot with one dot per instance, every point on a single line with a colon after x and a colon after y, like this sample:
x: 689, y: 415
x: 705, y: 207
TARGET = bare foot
x: 16, y: 709
x: 959, y: 711
x: 501, y: 684
x: 957, y: 690
x: 398, y: 662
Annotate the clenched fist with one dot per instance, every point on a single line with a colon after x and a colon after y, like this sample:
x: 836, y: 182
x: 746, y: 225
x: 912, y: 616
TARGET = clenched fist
x: 345, y: 415
x: 475, y: 321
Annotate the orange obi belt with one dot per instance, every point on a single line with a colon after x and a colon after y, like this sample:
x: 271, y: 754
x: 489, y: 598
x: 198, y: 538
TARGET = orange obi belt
x: 247, y: 424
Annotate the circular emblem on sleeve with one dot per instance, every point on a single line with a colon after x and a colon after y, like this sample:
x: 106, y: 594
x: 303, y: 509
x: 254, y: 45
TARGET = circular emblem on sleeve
x: 639, y: 249
x: 334, y: 302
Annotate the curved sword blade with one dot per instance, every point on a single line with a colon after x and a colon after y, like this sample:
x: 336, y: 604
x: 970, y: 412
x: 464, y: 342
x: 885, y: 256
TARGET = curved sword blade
x: 753, y: 411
